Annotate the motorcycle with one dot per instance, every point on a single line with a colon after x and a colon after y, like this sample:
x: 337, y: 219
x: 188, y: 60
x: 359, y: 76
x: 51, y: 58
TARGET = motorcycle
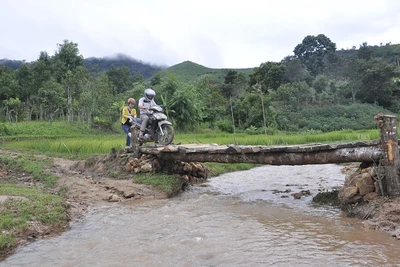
x: 158, y: 130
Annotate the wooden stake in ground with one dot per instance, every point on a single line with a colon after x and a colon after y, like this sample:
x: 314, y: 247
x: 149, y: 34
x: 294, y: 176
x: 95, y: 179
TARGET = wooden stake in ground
x: 390, y: 158
x: 134, y: 142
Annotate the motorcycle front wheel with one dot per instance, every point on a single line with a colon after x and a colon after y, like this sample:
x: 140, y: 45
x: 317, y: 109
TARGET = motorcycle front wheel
x: 166, y: 135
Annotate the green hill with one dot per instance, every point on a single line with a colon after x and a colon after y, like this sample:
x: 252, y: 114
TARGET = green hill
x: 188, y: 71
x: 97, y: 65
x: 389, y: 52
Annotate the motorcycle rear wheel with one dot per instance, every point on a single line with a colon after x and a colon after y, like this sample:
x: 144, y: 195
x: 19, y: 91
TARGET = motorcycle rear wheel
x: 167, y: 135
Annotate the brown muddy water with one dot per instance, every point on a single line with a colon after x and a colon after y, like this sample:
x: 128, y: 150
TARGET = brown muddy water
x: 238, y: 219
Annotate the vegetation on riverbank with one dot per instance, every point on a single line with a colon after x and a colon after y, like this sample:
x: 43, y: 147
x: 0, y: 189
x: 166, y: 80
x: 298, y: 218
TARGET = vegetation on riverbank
x: 28, y: 205
x: 166, y: 183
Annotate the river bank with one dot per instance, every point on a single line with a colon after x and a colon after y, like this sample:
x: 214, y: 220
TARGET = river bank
x: 87, y: 188
x: 362, y: 199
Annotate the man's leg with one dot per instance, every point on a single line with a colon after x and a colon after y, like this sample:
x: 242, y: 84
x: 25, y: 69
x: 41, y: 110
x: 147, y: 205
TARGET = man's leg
x: 145, y: 119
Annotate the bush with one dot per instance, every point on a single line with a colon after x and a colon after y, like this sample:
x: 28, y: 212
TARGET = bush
x: 354, y: 116
x: 252, y: 130
x: 4, y: 130
x: 272, y: 131
x: 100, y: 123
x: 225, y: 126
x: 204, y: 127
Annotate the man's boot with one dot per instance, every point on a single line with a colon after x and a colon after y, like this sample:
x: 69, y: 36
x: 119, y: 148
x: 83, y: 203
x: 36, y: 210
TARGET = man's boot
x: 141, y: 135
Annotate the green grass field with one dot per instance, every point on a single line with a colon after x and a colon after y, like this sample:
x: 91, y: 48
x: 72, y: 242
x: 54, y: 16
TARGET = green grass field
x: 78, y: 140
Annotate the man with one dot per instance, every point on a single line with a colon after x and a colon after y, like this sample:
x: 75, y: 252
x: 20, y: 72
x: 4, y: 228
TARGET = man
x: 145, y: 103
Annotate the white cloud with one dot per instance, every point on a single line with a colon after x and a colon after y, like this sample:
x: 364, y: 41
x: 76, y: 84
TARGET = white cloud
x: 218, y: 33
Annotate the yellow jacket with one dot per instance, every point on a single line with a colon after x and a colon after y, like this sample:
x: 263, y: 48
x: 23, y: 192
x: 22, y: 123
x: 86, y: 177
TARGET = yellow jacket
x: 126, y: 113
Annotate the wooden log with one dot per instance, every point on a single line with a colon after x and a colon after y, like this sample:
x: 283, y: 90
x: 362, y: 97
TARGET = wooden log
x: 342, y: 155
x: 134, y: 142
x: 390, y: 158
x: 232, y: 149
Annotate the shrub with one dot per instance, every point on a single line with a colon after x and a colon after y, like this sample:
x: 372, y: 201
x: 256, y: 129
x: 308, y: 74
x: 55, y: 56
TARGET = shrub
x: 354, y: 116
x: 101, y: 123
x: 4, y: 130
x: 225, y: 126
x: 252, y: 130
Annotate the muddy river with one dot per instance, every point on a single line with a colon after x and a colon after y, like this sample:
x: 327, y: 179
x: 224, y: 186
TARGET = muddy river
x: 246, y: 218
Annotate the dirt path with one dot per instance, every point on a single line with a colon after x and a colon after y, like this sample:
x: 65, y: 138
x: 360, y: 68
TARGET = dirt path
x: 84, y: 187
x: 88, y: 188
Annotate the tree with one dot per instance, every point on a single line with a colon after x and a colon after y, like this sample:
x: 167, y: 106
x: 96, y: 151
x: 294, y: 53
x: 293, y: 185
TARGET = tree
x: 312, y: 52
x: 13, y: 108
x: 364, y: 52
x: 351, y: 73
x: 211, y: 99
x: 188, y: 109
x: 320, y: 83
x: 66, y: 58
x: 42, y: 72
x: 156, y: 79
x: 257, y: 89
x: 377, y: 82
x: 248, y: 110
x: 24, y: 76
x: 8, y: 83
x: 295, y: 71
x: 68, y: 54
x: 235, y: 84
x: 96, y: 100
x: 51, y: 99
x: 295, y: 95
x: 169, y: 85
x: 120, y: 79
x: 270, y: 75
x: 73, y: 83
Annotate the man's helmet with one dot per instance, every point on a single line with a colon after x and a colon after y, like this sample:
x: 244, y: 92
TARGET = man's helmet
x: 149, y: 94
x: 131, y: 100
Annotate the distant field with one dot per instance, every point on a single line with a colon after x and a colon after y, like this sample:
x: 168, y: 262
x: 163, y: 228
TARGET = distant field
x: 80, y: 141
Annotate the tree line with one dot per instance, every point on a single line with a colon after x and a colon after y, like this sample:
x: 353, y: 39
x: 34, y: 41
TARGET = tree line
x: 316, y: 88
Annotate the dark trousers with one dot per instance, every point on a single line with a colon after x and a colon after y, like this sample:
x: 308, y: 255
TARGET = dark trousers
x: 126, y: 129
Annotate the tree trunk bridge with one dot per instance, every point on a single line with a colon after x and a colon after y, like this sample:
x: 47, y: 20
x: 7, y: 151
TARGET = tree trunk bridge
x: 383, y: 152
x: 370, y: 151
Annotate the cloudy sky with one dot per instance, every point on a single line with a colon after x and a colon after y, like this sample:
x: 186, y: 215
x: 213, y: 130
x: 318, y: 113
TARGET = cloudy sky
x: 213, y: 33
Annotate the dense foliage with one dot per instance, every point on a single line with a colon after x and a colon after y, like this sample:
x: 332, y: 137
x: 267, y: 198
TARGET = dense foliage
x: 315, y: 89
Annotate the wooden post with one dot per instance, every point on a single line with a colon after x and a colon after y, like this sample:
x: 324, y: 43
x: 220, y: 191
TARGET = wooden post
x: 390, y: 159
x: 134, y: 142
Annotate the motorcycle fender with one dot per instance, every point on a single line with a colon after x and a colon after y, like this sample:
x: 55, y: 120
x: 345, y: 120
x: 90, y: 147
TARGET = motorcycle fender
x: 164, y: 122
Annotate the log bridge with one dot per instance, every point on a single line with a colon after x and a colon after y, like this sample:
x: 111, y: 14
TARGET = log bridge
x: 370, y: 151
x: 383, y: 152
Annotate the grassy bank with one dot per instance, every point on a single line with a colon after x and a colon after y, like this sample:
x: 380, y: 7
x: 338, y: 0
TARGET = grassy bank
x: 166, y: 183
x: 31, y: 203
x: 278, y: 139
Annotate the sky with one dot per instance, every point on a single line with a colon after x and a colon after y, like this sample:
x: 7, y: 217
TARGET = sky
x: 212, y: 33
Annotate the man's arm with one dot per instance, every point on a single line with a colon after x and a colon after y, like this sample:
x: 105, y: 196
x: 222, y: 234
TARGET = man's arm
x: 141, y: 103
